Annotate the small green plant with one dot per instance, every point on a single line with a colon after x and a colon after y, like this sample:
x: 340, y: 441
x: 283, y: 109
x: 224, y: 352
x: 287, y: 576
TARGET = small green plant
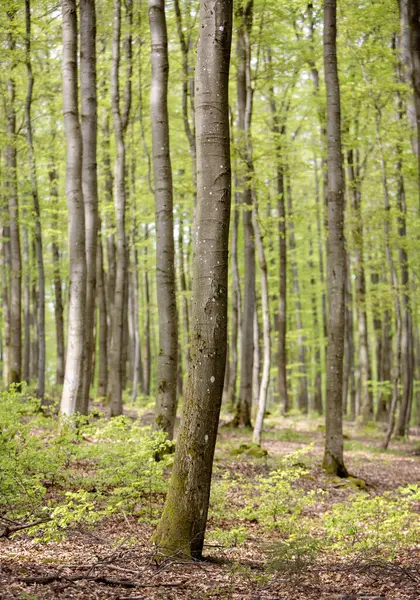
x: 379, y: 525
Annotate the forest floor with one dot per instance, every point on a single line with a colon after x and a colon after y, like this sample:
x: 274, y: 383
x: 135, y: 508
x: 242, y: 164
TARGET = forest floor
x: 114, y: 560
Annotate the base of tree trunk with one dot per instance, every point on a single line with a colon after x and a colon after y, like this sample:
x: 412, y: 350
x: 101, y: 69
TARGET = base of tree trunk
x: 333, y: 466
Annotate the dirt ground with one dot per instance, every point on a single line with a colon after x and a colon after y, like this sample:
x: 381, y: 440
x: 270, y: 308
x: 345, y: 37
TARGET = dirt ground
x: 114, y: 560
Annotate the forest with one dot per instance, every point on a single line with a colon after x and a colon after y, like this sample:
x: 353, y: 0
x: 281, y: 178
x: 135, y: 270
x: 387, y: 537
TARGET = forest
x: 209, y: 314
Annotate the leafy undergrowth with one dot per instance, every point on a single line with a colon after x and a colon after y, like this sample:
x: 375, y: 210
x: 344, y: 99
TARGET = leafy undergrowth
x: 278, y: 528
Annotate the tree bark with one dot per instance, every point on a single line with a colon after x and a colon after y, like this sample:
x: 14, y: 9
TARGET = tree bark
x: 15, y: 352
x: 103, y: 323
x: 336, y: 266
x: 244, y: 94
x: 182, y: 526
x: 89, y: 183
x: 58, y: 288
x: 167, y: 367
x: 77, y: 257
x: 120, y: 118
x: 414, y: 28
x: 37, y: 211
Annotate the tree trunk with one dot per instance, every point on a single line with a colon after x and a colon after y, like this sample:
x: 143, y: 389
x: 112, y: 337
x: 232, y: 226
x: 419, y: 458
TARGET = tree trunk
x: 89, y: 183
x: 5, y: 292
x: 265, y: 378
x: 414, y: 27
x: 147, y: 327
x: 348, y: 369
x: 77, y: 257
x: 103, y: 324
x: 58, y: 288
x: 183, y: 523
x: 167, y: 367
x: 362, y: 322
x: 118, y: 312
x: 26, y: 358
x: 336, y: 268
x: 302, y: 399
x: 15, y: 352
x: 244, y: 94
x: 37, y: 212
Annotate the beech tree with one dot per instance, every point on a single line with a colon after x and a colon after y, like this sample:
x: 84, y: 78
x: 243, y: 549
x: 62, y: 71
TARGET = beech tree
x: 336, y: 266
x: 77, y: 257
x: 167, y: 367
x: 183, y: 522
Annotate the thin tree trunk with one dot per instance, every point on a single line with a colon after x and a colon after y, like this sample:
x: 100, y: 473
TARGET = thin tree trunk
x: 167, y: 367
x: 26, y: 357
x: 89, y: 183
x: 103, y: 324
x: 15, y: 352
x: 256, y: 360
x: 244, y: 94
x: 77, y: 257
x: 5, y: 257
x: 362, y: 322
x: 414, y: 28
x: 147, y: 327
x: 303, y: 384
x: 336, y: 268
x: 265, y: 378
x: 317, y: 404
x: 37, y: 212
x: 183, y: 522
x: 348, y: 369
x: 118, y: 314
x: 58, y: 288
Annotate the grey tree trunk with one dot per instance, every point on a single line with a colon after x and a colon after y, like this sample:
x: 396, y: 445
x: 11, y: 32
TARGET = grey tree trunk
x: 414, y: 28
x: 36, y: 208
x: 167, y: 366
x: 103, y: 323
x: 362, y: 322
x: 77, y: 257
x: 15, y: 351
x: 58, y: 287
x: 5, y: 293
x: 244, y: 95
x: 183, y: 522
x: 333, y: 461
x: 89, y: 183
x: 26, y: 356
x: 302, y: 399
x: 120, y: 118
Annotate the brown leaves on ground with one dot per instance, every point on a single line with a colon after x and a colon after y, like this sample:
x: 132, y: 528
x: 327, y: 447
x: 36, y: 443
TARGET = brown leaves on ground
x: 115, y: 560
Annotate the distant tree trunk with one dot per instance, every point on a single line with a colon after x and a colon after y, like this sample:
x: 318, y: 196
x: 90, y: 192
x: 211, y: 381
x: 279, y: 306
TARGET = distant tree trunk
x: 183, y: 522
x: 5, y: 292
x: 362, y: 322
x: 244, y: 95
x: 77, y: 257
x: 348, y: 369
x: 333, y: 456
x: 265, y: 378
x: 385, y: 363
x: 89, y: 183
x: 302, y: 399
x: 58, y: 288
x: 184, y: 301
x: 118, y: 314
x: 37, y: 212
x: 167, y: 367
x: 147, y: 326
x: 26, y: 357
x: 34, y: 362
x: 414, y: 28
x: 407, y: 350
x: 317, y: 404
x: 256, y: 359
x: 279, y: 132
x: 103, y: 324
x: 15, y: 353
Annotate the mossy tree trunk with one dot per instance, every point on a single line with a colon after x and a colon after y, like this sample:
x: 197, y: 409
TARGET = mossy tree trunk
x: 182, y: 526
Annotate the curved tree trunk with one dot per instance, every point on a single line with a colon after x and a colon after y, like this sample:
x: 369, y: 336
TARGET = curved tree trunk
x: 336, y: 268
x: 183, y: 522
x: 77, y: 257
x: 167, y: 367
